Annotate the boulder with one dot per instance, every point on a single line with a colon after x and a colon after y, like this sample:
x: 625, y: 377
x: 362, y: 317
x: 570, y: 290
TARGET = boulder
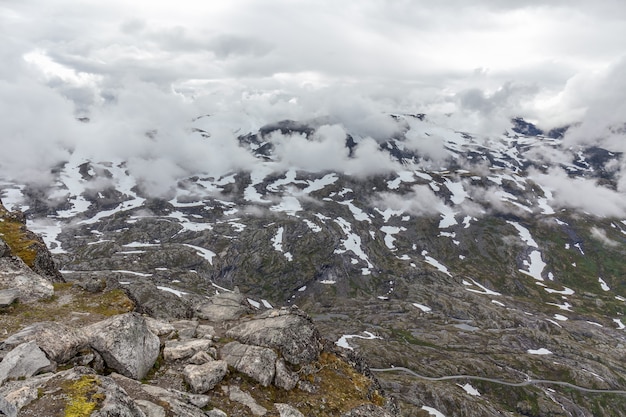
x: 186, y: 329
x: 285, y: 378
x: 226, y: 306
x: 285, y: 410
x: 60, y: 342
x: 202, y: 378
x: 126, y: 344
x: 8, y: 296
x: 201, y: 358
x: 289, y: 331
x: 24, y: 361
x: 160, y: 327
x: 150, y: 409
x: 16, y: 394
x: 236, y: 394
x: 182, y: 349
x: 56, y: 394
x: 14, y: 273
x: 255, y: 361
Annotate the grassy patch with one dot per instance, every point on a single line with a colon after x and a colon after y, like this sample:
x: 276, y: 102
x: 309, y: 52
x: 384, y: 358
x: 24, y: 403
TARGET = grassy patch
x: 68, y: 303
x: 13, y: 232
x: 339, y: 389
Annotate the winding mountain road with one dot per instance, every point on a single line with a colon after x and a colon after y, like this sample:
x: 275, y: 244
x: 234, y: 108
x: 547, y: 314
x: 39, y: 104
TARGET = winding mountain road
x: 499, y: 381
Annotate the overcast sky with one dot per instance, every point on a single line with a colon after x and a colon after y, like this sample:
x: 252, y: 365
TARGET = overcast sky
x: 133, y: 66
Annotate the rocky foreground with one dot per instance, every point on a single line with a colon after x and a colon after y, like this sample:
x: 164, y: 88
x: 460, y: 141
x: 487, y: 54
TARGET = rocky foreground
x: 92, y: 348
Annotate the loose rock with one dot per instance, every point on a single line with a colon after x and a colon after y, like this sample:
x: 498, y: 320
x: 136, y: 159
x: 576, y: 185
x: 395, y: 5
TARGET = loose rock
x: 182, y: 349
x: 255, y: 361
x: 202, y: 378
x: 126, y: 344
x: 25, y: 360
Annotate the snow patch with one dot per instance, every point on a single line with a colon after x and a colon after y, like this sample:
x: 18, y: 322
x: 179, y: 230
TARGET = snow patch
x: 343, y: 340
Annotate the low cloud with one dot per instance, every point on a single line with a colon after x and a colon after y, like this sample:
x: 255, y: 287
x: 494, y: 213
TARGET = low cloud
x: 580, y: 193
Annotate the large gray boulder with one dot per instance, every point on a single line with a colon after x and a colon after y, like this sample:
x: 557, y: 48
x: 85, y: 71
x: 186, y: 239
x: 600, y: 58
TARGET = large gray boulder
x: 255, y: 361
x: 203, y: 378
x: 236, y: 394
x: 289, y: 331
x: 14, y: 273
x: 24, y: 361
x: 60, y: 342
x: 126, y: 344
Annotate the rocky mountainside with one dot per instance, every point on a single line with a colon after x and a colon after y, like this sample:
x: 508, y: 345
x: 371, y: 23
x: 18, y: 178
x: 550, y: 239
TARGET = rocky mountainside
x: 449, y: 254
x: 74, y: 351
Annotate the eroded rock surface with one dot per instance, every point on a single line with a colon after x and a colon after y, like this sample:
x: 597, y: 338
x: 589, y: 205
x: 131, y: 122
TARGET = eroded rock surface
x: 126, y: 344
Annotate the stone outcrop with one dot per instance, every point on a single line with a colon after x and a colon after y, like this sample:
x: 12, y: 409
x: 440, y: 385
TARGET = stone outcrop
x: 183, y: 349
x: 8, y: 296
x: 289, y: 331
x: 255, y: 361
x: 157, y: 303
x: 139, y: 349
x: 60, y: 342
x: 226, y: 306
x: 24, y: 361
x: 15, y: 274
x: 202, y: 378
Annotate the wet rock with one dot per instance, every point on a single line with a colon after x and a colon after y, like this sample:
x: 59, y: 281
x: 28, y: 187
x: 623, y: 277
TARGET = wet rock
x: 8, y: 296
x: 288, y: 331
x: 24, y: 361
x: 255, y: 361
x: 202, y: 378
x: 14, y: 273
x: 60, y: 342
x: 182, y: 349
x: 285, y: 378
x: 286, y: 410
x: 126, y: 344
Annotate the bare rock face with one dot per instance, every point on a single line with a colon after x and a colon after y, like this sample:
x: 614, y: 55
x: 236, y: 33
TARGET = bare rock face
x: 182, y: 349
x: 126, y: 344
x: 14, y: 273
x: 156, y: 303
x: 202, y: 378
x: 24, y: 361
x: 8, y: 296
x: 226, y: 306
x: 255, y: 361
x: 289, y: 331
x: 285, y: 378
x: 61, y: 343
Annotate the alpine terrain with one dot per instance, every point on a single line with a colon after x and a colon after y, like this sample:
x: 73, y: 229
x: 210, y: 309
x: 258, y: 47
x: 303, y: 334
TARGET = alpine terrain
x: 311, y: 269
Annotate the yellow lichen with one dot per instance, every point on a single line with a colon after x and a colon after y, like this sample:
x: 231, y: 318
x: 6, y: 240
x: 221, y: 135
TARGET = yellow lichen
x: 83, y: 396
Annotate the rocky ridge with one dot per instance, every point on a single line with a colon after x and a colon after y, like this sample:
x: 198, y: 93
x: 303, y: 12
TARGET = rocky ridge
x: 222, y: 360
